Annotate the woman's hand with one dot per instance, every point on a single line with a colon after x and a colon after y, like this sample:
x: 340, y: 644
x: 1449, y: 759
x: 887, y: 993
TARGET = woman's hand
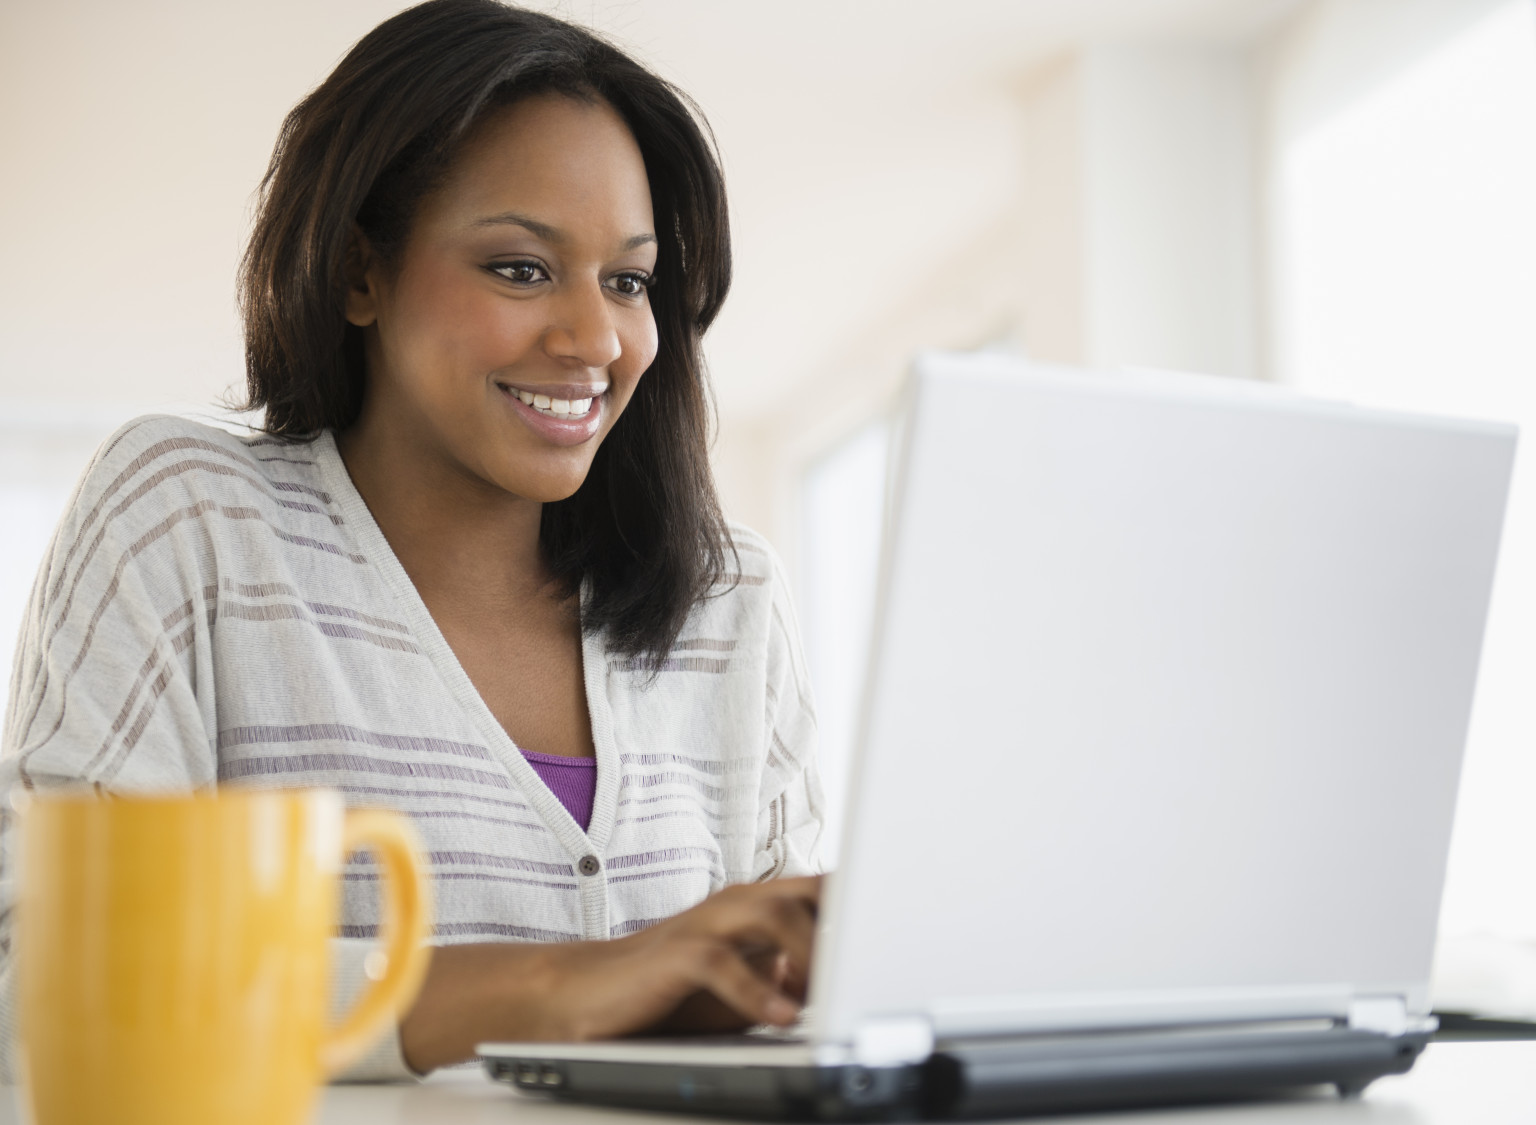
x: 740, y: 957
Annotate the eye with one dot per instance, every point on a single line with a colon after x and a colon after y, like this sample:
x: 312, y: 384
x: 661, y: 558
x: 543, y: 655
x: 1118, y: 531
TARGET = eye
x: 523, y: 272
x: 632, y: 283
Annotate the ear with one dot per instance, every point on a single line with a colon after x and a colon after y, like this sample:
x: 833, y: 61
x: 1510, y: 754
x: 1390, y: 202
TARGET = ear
x: 359, y: 269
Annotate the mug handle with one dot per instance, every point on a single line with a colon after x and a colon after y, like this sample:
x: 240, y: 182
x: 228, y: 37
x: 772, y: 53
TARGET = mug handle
x: 407, y: 919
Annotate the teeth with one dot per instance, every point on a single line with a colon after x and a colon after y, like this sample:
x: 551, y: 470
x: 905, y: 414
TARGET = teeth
x: 555, y: 407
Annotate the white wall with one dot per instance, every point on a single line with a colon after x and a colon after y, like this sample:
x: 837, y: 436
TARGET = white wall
x: 1128, y: 239
x: 1324, y: 58
x: 1170, y: 174
x: 1404, y: 273
x: 1137, y: 210
x: 135, y: 135
x: 1130, y: 243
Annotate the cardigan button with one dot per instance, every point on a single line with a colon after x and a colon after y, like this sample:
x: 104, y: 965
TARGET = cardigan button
x: 589, y: 865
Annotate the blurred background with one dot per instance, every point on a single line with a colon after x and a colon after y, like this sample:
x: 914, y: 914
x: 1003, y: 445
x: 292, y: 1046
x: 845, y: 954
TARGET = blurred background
x: 1333, y: 194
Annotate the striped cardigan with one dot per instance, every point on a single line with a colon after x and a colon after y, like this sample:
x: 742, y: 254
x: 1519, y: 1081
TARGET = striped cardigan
x: 223, y: 610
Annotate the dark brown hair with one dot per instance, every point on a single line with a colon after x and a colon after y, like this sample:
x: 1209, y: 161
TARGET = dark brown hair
x: 644, y: 531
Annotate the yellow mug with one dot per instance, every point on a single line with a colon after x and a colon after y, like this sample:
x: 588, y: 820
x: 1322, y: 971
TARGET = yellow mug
x: 172, y: 953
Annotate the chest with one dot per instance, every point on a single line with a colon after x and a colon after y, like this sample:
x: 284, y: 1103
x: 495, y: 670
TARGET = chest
x: 527, y: 668
x: 374, y: 710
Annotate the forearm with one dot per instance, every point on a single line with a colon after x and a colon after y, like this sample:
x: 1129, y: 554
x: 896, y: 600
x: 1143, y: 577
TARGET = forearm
x: 481, y: 992
x: 748, y: 946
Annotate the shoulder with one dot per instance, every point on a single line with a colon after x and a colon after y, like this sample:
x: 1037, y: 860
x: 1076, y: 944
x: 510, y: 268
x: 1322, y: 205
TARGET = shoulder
x: 160, y: 442
x: 754, y: 573
x: 164, y: 490
x: 149, y: 431
x: 750, y: 609
x: 751, y: 561
x: 160, y: 464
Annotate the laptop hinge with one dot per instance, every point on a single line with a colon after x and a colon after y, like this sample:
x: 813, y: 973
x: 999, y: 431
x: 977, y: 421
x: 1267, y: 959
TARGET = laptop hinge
x: 1386, y: 1015
x: 893, y: 1041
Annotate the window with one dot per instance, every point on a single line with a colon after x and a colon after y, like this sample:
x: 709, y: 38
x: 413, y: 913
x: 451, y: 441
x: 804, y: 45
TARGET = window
x: 43, y: 451
x: 842, y: 501
x: 1407, y: 237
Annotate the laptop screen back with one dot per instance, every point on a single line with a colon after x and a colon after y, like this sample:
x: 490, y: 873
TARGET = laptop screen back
x: 1167, y: 701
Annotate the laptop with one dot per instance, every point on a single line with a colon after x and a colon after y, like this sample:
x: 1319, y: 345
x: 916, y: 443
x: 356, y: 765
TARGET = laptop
x: 1161, y: 737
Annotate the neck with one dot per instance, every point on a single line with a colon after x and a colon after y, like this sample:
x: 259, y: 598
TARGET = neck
x: 463, y: 542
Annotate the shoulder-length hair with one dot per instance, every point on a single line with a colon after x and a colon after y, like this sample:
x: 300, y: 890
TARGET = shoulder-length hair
x: 645, y: 530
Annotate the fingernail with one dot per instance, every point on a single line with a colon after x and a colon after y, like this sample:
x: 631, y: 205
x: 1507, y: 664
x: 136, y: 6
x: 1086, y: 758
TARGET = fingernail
x: 781, y: 1010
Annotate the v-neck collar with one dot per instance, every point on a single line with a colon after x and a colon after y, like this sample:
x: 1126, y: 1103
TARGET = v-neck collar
x: 594, y: 666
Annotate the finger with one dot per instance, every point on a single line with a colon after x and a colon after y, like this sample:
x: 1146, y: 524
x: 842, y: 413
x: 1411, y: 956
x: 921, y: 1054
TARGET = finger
x: 762, y: 956
x: 776, y: 967
x: 768, y: 962
x: 781, y: 972
x: 775, y: 916
x: 755, y: 919
x: 721, y: 970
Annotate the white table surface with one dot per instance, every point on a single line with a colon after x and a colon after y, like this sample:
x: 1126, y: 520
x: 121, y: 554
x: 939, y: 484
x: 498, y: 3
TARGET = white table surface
x: 1452, y: 1084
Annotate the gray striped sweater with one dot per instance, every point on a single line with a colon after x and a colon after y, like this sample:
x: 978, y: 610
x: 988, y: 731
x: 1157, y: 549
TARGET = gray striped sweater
x: 219, y: 610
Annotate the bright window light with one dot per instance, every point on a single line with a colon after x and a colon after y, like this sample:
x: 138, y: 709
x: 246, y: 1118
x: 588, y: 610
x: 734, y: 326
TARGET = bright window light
x: 1408, y: 279
x: 43, y: 451
x: 842, y: 503
x: 30, y: 511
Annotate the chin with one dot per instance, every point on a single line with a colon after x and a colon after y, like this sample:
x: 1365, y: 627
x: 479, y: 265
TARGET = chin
x: 544, y: 488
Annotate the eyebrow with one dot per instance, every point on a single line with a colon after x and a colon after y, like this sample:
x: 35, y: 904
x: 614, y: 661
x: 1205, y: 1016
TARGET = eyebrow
x: 549, y: 233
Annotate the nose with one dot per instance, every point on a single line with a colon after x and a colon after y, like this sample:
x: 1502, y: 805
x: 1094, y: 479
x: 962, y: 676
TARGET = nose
x: 582, y: 331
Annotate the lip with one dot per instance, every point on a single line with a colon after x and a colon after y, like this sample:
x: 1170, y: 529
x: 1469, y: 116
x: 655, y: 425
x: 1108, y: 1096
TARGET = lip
x: 566, y: 391
x: 554, y: 430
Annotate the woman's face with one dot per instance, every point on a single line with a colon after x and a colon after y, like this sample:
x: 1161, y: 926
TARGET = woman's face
x: 514, y: 328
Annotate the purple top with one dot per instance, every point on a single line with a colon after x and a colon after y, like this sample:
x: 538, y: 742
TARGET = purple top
x: 573, y: 780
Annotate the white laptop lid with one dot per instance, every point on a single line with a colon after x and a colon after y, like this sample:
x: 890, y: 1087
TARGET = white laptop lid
x: 1166, y: 707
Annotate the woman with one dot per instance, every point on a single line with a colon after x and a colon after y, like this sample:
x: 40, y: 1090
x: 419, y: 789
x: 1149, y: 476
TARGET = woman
x: 474, y: 569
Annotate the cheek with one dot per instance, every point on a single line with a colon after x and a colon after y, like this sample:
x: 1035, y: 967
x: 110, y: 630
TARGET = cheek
x: 442, y: 322
x: 638, y: 345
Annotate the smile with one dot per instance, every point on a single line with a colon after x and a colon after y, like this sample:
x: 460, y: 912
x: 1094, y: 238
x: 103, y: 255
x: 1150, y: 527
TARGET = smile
x: 555, y: 407
x: 563, y: 415
x: 565, y: 403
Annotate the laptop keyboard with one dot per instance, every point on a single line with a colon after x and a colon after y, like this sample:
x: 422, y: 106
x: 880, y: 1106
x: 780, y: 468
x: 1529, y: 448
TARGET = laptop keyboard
x: 797, y: 1032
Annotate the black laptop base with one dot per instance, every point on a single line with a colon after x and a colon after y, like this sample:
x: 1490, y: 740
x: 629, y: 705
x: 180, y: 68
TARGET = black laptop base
x: 996, y: 1078
x: 988, y: 1078
x: 785, y: 1093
